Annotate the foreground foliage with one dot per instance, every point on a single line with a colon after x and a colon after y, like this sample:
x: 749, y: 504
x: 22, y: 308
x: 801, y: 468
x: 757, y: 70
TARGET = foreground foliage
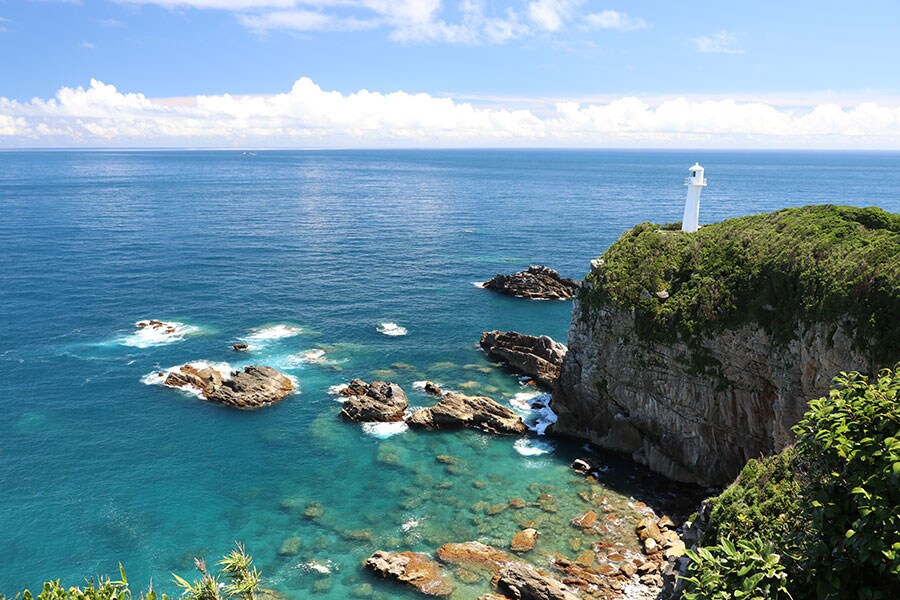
x: 748, y: 570
x: 816, y: 263
x: 237, y: 567
x: 829, y: 506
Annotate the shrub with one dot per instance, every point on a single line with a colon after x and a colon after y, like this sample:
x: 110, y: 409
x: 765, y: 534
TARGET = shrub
x: 764, y: 501
x: 103, y: 589
x: 850, y: 442
x: 748, y: 570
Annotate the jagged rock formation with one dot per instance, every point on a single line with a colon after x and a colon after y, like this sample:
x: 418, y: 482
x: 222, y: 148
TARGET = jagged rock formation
x: 411, y: 568
x: 758, y: 315
x: 537, y: 357
x: 455, y: 411
x: 525, y: 582
x: 536, y: 282
x: 251, y: 388
x: 378, y: 401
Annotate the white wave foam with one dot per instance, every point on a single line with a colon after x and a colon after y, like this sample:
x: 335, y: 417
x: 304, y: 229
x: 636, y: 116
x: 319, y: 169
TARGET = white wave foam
x: 336, y: 390
x: 533, y: 447
x: 319, y: 566
x: 159, y: 377
x: 151, y: 332
x: 479, y: 284
x: 411, y: 523
x: 522, y: 401
x: 383, y: 431
x: 307, y: 356
x: 390, y: 328
x: 268, y: 333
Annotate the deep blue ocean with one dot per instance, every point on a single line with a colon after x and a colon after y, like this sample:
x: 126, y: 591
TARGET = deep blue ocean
x: 321, y: 247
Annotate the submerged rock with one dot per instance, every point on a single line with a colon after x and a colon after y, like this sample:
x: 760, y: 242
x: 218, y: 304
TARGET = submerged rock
x: 536, y: 282
x: 253, y: 387
x: 378, y: 401
x: 538, y: 357
x: 413, y: 569
x: 525, y: 582
x: 457, y: 410
x: 525, y: 540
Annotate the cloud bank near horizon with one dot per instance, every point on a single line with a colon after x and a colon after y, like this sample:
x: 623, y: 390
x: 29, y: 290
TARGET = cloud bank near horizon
x: 308, y: 116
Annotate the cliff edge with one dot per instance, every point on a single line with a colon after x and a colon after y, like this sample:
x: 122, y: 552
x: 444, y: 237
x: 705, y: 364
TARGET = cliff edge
x: 694, y: 352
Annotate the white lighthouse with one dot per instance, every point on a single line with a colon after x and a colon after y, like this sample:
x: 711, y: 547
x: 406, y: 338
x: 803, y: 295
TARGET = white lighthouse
x: 695, y: 183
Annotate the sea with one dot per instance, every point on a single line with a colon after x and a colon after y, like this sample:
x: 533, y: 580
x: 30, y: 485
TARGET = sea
x: 331, y: 265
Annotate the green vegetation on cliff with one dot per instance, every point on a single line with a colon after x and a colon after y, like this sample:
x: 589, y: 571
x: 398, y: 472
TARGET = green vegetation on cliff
x: 815, y: 263
x: 828, y: 506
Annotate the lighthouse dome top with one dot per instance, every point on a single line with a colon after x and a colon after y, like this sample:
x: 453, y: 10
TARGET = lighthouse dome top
x: 695, y: 167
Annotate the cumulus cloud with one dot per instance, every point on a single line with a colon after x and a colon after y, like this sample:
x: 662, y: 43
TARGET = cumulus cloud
x: 306, y: 116
x: 723, y: 42
x: 612, y: 19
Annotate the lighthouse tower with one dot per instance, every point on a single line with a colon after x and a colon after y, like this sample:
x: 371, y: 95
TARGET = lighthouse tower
x: 695, y: 183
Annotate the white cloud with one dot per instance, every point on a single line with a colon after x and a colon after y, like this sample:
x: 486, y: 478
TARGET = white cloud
x: 723, y: 42
x: 306, y: 116
x: 111, y: 23
x: 611, y: 19
x: 472, y: 21
x: 88, y: 45
x: 551, y: 15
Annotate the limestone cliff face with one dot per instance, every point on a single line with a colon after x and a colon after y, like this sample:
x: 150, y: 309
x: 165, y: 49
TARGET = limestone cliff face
x: 646, y: 399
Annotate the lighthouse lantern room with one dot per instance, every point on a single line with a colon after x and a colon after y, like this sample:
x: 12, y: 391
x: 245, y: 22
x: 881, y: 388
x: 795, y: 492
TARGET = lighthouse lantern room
x: 695, y: 183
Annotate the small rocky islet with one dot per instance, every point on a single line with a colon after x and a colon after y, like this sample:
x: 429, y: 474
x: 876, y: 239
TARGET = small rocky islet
x: 537, y: 282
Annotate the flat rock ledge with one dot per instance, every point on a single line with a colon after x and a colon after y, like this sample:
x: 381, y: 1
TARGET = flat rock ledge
x: 539, y: 357
x: 455, y: 411
x: 536, y: 282
x: 376, y: 402
x: 411, y: 568
x: 254, y: 387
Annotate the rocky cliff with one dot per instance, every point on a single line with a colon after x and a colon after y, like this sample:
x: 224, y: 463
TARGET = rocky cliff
x: 695, y: 352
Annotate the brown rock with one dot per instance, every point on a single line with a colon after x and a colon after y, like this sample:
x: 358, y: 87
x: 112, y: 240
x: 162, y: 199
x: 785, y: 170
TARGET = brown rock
x: 628, y: 570
x: 474, y: 555
x: 665, y: 523
x: 374, y: 402
x: 675, y: 550
x: 253, y: 387
x: 537, y: 282
x: 586, y: 520
x: 586, y: 558
x: 516, y: 503
x: 413, y: 569
x: 456, y: 411
x: 492, y: 597
x: 525, y: 582
x: 433, y: 389
x: 240, y: 347
x: 582, y: 465
x: 537, y: 357
x: 524, y: 541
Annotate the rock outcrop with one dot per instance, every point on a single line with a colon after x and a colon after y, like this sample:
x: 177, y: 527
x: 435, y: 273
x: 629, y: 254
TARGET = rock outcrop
x: 538, y: 357
x: 525, y: 582
x: 536, y: 282
x: 524, y: 540
x: 253, y: 387
x: 378, y: 401
x: 474, y: 555
x: 413, y: 569
x: 455, y: 411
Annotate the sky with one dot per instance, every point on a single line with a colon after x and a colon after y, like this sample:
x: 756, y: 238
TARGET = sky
x: 448, y: 73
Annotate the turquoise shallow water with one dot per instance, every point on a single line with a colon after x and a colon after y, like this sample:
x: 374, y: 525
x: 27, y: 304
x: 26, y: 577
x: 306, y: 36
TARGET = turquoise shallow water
x: 96, y: 467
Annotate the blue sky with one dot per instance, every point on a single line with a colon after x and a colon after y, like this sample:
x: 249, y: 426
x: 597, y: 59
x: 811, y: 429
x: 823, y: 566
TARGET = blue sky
x: 498, y: 56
